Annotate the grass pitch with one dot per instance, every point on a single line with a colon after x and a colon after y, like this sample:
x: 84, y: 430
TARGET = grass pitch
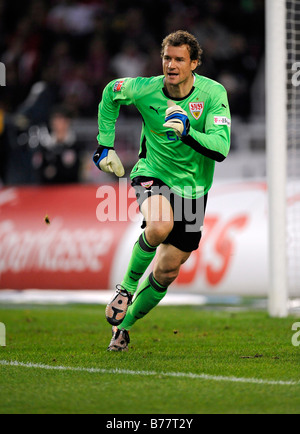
x: 242, y: 345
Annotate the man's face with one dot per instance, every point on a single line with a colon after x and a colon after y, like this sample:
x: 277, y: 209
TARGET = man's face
x: 177, y: 64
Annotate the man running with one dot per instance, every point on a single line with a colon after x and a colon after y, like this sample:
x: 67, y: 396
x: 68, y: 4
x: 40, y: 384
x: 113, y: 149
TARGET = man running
x: 186, y: 129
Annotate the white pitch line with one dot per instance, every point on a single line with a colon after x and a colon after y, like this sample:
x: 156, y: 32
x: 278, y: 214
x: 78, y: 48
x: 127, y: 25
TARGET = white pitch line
x: 150, y: 373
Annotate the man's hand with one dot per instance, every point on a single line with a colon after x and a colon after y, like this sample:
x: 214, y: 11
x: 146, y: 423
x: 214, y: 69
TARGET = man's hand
x: 107, y: 160
x: 177, y: 119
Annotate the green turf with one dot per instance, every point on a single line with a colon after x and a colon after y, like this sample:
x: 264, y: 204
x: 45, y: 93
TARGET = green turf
x: 170, y: 339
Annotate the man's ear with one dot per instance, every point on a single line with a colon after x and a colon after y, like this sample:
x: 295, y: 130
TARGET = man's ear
x: 194, y: 64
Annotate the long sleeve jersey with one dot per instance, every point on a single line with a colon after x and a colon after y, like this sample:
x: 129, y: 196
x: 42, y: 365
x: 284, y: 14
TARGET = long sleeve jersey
x: 186, y: 165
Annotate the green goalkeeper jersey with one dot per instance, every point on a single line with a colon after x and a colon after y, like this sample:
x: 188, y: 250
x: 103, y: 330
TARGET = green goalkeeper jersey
x: 186, y: 165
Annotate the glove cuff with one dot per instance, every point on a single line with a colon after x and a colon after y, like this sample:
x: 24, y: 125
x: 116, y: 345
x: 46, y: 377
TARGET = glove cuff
x: 180, y: 117
x: 187, y: 127
x: 102, y: 152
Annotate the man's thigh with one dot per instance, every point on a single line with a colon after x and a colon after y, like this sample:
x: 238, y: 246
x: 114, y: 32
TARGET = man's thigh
x: 157, y: 209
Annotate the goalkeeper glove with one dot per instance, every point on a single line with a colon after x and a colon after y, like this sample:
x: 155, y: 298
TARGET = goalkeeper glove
x: 106, y: 159
x: 177, y: 119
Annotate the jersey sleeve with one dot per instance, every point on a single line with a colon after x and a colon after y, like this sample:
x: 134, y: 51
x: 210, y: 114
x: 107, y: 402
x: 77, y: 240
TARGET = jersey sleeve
x: 116, y: 93
x: 214, y: 143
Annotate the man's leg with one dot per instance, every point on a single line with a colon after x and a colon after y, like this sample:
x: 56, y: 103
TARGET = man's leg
x: 168, y: 263
x: 154, y: 288
x: 167, y: 266
x: 142, y: 255
x: 158, y: 214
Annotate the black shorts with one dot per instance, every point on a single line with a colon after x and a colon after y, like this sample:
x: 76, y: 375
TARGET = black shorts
x: 188, y: 213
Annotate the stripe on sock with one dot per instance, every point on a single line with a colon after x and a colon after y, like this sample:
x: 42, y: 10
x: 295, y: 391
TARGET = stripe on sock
x: 155, y: 285
x: 134, y: 272
x: 145, y: 245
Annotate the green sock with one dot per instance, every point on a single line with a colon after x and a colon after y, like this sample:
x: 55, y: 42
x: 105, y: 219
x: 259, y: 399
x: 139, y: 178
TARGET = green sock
x: 142, y: 256
x: 149, y: 294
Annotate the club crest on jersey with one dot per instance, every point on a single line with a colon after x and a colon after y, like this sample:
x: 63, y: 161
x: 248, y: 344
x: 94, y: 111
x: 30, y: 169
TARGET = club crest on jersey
x: 118, y: 86
x: 196, y: 108
x: 147, y: 184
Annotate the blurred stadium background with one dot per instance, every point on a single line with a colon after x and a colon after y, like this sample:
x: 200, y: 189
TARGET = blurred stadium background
x: 62, y: 53
x: 224, y: 353
x: 59, y: 55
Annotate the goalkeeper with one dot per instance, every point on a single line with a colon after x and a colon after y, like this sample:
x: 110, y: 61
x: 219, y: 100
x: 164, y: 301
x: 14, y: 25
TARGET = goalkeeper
x: 186, y: 129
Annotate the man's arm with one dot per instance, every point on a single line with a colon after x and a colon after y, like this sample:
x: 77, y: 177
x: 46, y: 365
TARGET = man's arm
x: 215, y: 142
x: 213, y: 155
x: 116, y: 93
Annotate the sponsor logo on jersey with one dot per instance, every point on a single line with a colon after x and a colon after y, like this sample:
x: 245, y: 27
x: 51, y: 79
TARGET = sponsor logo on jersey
x: 196, y: 108
x: 147, y: 184
x: 118, y: 86
x: 222, y: 120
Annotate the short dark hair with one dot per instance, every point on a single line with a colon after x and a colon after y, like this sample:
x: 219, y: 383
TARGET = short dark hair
x: 182, y: 37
